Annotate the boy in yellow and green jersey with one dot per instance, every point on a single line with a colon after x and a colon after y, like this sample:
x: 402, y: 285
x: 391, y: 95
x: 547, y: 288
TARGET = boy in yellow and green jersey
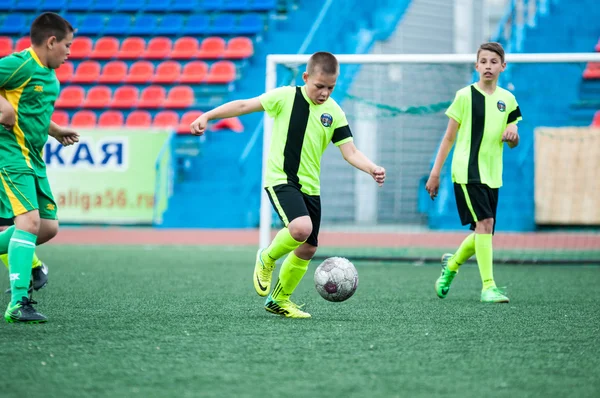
x: 483, y: 117
x: 28, y: 90
x: 306, y: 120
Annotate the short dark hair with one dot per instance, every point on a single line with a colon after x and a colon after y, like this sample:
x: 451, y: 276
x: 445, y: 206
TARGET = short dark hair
x: 47, y: 25
x: 493, y: 47
x: 327, y: 63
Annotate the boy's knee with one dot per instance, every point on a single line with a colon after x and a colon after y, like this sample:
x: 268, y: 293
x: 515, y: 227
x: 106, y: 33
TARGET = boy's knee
x: 300, y: 228
x: 48, y: 230
x: 29, y: 222
x: 487, y: 225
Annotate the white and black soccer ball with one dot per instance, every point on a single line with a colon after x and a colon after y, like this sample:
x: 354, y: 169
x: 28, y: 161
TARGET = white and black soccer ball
x: 336, y: 279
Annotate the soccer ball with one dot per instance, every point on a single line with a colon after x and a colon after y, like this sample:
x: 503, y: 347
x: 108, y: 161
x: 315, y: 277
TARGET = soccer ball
x: 336, y: 279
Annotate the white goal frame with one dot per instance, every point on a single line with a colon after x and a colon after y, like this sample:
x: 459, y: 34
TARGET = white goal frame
x: 271, y: 82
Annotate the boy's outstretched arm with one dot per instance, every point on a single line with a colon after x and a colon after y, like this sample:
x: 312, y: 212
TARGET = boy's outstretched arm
x: 230, y: 109
x: 433, y: 183
x: 357, y: 159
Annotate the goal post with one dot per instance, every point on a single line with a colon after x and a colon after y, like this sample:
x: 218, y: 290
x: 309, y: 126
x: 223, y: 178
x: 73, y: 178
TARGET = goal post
x: 395, y: 105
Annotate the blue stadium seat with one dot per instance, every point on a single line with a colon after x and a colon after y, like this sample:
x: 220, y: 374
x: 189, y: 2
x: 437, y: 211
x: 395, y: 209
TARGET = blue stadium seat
x: 72, y: 19
x: 105, y: 5
x: 222, y: 24
x: 26, y: 5
x: 143, y: 25
x: 170, y: 24
x: 91, y: 24
x: 235, y: 5
x: 118, y: 24
x: 183, y: 6
x: 196, y: 25
x: 158, y: 6
x: 79, y: 5
x: 210, y: 5
x: 53, y: 5
x: 131, y: 5
x: 263, y: 5
x: 249, y: 24
x: 14, y: 23
x: 6, y: 5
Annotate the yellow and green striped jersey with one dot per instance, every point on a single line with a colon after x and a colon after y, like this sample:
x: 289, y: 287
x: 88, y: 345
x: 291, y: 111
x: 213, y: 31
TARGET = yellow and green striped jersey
x: 31, y: 88
x: 301, y: 132
x: 483, y: 118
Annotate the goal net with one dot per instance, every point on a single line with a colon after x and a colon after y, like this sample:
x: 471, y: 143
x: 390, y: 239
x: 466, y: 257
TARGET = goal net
x: 549, y: 206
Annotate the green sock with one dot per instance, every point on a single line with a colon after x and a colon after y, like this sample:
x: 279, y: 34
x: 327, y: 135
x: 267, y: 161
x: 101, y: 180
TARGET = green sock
x: 20, y: 252
x: 34, y: 264
x: 485, y: 258
x: 291, y: 272
x: 464, y: 252
x: 5, y: 239
x: 282, y: 244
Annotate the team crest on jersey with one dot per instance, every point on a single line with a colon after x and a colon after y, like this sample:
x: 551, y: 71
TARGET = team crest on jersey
x: 501, y: 106
x: 326, y: 120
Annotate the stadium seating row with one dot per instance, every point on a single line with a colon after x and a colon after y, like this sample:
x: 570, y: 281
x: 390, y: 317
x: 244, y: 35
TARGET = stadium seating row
x: 141, y: 119
x: 136, y: 47
x: 138, y: 5
x: 148, y: 25
x: 140, y: 72
x: 125, y: 97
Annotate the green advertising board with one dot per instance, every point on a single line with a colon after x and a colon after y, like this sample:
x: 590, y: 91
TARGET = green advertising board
x: 108, y: 177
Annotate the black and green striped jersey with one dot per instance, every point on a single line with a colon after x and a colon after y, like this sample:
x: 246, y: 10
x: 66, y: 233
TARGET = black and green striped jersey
x: 301, y: 133
x: 483, y: 118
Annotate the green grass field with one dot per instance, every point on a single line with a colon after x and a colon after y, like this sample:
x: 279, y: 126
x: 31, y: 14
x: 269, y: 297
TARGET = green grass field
x: 185, y: 322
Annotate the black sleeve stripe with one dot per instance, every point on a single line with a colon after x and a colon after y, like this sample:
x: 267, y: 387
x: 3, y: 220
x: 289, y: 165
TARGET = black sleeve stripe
x: 341, y: 133
x: 514, y: 115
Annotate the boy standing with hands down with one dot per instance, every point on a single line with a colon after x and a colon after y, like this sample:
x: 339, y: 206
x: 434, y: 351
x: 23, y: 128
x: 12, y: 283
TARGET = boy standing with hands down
x: 483, y: 117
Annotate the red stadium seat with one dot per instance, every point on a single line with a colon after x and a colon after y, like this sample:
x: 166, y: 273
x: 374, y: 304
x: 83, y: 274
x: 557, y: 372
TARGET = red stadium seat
x: 239, y: 48
x: 125, y: 97
x: 132, y: 48
x: 111, y: 119
x: 194, y: 72
x: 591, y: 72
x: 212, y: 47
x: 186, y: 120
x: 158, y: 48
x: 61, y: 118
x: 140, y: 72
x: 85, y: 119
x: 180, y: 97
x: 232, y: 123
x: 185, y: 48
x: 87, y: 72
x: 221, y: 72
x: 152, y: 97
x: 70, y: 97
x: 81, y: 48
x: 105, y: 48
x: 596, y: 121
x: 6, y: 46
x: 113, y: 72
x: 97, y: 97
x: 23, y: 43
x: 65, y: 72
x: 166, y: 119
x: 139, y: 119
x: 167, y: 72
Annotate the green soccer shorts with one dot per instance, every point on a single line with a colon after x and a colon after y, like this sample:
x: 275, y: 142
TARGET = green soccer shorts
x: 23, y: 192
